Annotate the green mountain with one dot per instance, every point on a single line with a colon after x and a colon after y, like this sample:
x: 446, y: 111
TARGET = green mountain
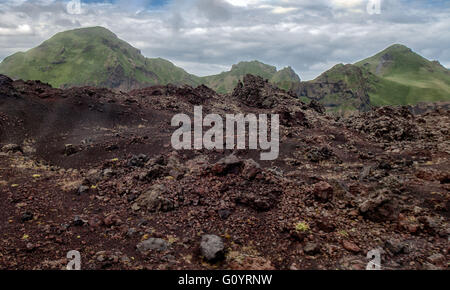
x: 92, y: 56
x: 225, y: 82
x: 406, y: 77
x: 97, y: 57
x: 395, y: 76
x: 342, y: 88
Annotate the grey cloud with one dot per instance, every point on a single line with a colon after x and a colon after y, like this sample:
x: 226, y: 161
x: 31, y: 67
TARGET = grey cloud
x: 207, y: 36
x: 216, y: 10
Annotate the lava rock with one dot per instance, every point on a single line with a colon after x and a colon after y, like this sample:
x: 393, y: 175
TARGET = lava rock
x: 138, y: 160
x: 108, y: 173
x: 311, y: 248
x: 78, y: 222
x: 380, y: 207
x: 154, y: 172
x: 156, y: 244
x: 4, y: 80
x: 154, y: 199
x: 12, y: 148
x: 395, y: 246
x: 27, y: 216
x: 70, y: 149
x: 316, y: 106
x: 212, y: 247
x: 251, y: 169
x: 262, y: 201
x: 323, y: 191
x: 436, y: 258
x: 83, y: 189
x: 224, y: 213
x: 350, y: 246
x: 325, y: 225
x: 226, y: 165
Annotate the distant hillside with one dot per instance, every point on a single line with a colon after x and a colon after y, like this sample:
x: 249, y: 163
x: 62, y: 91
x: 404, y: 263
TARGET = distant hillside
x: 407, y: 78
x: 92, y: 56
x: 342, y: 88
x: 97, y: 57
x: 395, y: 76
x: 227, y: 81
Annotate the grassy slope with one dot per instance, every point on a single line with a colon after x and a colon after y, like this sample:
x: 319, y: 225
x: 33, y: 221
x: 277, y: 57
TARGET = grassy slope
x: 356, y: 80
x: 90, y: 56
x: 96, y: 56
x: 406, y: 78
x: 225, y: 82
x: 395, y: 76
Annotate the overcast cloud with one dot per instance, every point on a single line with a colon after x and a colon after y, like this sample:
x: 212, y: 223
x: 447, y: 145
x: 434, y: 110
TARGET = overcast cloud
x: 208, y: 36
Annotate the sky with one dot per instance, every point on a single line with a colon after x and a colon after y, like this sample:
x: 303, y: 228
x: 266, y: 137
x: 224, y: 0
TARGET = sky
x: 208, y: 36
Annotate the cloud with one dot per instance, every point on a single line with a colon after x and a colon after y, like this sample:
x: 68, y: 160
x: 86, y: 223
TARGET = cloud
x: 208, y: 36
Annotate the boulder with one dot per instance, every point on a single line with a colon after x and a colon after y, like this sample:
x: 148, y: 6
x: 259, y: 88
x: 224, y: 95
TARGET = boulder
x: 323, y: 191
x: 226, y: 165
x: 212, y: 247
x: 154, y: 200
x: 380, y: 207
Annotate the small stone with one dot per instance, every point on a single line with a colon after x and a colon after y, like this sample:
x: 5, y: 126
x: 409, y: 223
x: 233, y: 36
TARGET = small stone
x: 154, y: 199
x: 395, y: 246
x: 228, y: 164
x: 212, y: 247
x: 100, y: 256
x: 69, y: 149
x: 108, y: 173
x: 131, y: 232
x: 138, y: 160
x: 323, y: 191
x: 11, y: 148
x: 429, y: 266
x: 436, y: 258
x: 78, y: 222
x: 350, y: 246
x: 135, y: 207
x: 251, y: 169
x: 224, y: 213
x: 30, y: 247
x: 152, y: 244
x: 27, y: 216
x: 311, y: 248
x: 83, y: 189
x: 111, y: 220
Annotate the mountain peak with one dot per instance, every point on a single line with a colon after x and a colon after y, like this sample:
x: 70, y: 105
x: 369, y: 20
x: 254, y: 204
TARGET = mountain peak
x: 250, y: 66
x: 92, y: 56
x: 396, y: 49
x: 94, y: 31
x: 286, y: 74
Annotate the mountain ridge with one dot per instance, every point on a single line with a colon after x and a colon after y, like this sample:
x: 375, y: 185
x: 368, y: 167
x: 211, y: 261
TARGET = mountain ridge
x: 95, y: 56
x: 395, y: 76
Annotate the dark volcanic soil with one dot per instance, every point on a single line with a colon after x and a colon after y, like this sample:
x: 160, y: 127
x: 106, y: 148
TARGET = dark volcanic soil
x: 93, y: 170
